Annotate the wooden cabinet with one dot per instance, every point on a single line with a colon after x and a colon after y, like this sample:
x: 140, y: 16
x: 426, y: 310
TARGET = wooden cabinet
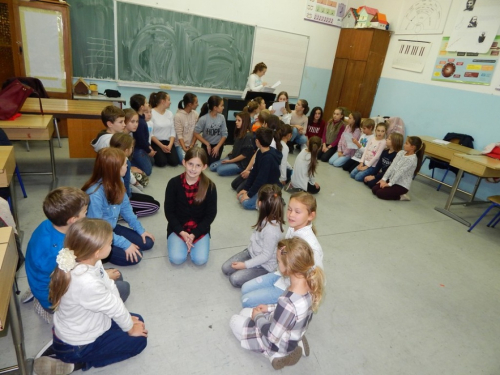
x: 10, y: 62
x: 356, y: 70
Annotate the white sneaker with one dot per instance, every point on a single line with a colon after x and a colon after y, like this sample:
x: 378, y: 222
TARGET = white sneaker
x: 52, y: 366
x: 27, y: 296
x: 404, y: 197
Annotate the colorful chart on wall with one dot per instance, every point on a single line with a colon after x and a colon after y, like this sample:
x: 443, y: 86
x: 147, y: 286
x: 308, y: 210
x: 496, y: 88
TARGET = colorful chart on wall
x: 466, y: 67
x: 327, y: 12
x: 476, y: 26
x: 423, y: 16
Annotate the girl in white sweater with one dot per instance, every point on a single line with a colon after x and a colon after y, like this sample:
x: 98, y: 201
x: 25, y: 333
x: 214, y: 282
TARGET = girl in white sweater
x: 304, y: 168
x: 92, y: 327
x: 397, y: 180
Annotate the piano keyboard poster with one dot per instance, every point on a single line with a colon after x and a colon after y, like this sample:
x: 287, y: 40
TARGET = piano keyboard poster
x: 466, y: 67
x: 411, y: 55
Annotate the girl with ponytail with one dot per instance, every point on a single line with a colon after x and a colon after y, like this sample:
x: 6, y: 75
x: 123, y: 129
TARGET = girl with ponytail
x: 184, y: 122
x: 304, y: 168
x: 190, y: 208
x: 89, y: 315
x: 277, y: 331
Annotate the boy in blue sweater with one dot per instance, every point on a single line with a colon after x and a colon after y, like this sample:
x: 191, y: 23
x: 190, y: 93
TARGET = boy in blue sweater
x: 266, y: 169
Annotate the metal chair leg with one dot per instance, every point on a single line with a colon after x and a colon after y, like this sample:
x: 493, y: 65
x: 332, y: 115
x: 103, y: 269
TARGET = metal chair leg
x: 445, y: 173
x: 57, y: 132
x: 18, y: 174
x: 481, y: 217
x: 27, y: 146
x: 494, y: 221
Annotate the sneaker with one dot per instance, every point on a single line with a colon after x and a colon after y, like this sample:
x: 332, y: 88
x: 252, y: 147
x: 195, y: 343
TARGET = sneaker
x: 46, y: 351
x: 305, y: 346
x: 52, y: 366
x: 405, y: 197
x: 291, y: 189
x: 42, y: 312
x: 27, y: 296
x: 288, y: 360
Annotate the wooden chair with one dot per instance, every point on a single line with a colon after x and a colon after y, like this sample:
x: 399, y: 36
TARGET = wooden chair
x: 495, y: 202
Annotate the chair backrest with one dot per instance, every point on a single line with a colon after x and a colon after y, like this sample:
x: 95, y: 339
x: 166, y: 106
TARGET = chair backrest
x: 34, y: 83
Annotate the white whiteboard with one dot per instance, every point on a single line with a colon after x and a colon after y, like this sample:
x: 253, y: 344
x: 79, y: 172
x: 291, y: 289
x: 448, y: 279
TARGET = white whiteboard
x: 285, y: 56
x: 42, y: 32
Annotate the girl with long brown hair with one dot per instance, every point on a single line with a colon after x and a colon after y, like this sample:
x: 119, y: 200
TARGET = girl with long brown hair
x: 92, y: 327
x: 190, y: 208
x: 304, y: 168
x: 108, y: 201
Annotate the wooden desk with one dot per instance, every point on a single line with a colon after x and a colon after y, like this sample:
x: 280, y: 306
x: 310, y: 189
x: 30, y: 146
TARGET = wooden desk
x: 445, y: 153
x: 84, y: 121
x: 32, y: 128
x: 7, y: 169
x: 477, y: 165
x: 9, y: 301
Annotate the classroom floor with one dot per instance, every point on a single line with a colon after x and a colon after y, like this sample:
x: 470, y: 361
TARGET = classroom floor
x: 409, y: 290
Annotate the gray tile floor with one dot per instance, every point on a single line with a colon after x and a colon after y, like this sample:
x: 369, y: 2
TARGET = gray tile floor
x: 409, y: 290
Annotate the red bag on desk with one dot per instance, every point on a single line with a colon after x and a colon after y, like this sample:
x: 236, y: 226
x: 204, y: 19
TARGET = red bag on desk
x: 12, y: 99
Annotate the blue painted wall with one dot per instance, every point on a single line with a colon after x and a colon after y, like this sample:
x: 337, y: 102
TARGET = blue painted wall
x: 436, y: 110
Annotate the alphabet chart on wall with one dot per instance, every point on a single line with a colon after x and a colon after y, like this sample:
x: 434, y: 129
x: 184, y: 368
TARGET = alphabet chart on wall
x: 327, y: 12
x: 411, y: 55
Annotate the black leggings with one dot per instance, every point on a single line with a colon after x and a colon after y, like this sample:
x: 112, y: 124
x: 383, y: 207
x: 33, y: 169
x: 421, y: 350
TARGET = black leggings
x: 389, y: 193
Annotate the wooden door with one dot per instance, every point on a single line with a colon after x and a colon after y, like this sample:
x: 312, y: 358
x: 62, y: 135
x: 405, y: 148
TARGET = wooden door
x: 352, y: 84
x: 336, y: 82
x: 9, y: 49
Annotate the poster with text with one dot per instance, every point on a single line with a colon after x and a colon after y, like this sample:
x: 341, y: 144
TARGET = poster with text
x: 466, y: 67
x: 327, y: 12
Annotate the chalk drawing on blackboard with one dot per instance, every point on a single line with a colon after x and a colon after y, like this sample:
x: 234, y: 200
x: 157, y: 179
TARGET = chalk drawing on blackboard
x: 101, y: 55
x: 423, y: 16
x: 161, y: 46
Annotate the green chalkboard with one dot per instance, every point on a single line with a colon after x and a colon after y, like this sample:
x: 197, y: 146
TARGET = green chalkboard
x: 162, y: 46
x: 92, y: 38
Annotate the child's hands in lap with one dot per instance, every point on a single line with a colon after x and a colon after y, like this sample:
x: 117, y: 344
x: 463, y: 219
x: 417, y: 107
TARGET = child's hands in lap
x: 113, y: 273
x: 238, y: 265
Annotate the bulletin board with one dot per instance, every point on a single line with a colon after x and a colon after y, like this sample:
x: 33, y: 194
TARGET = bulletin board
x: 466, y: 67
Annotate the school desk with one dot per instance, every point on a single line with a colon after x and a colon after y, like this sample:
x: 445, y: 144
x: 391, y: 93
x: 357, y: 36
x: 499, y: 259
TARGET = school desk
x: 32, y: 128
x: 7, y: 169
x: 84, y: 121
x: 10, y: 303
x: 478, y: 165
x: 119, y: 102
x: 445, y: 153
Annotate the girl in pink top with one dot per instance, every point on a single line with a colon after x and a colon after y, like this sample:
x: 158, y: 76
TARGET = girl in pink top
x: 371, y: 155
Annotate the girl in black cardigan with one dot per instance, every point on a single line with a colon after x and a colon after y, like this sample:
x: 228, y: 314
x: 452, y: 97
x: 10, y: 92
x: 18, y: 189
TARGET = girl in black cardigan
x: 190, y: 207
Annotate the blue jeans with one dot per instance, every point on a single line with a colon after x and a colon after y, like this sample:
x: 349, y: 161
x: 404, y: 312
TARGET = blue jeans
x: 112, y: 346
x: 142, y: 161
x: 230, y: 169
x: 239, y: 277
x: 300, y: 139
x: 251, y: 203
x: 180, y: 153
x: 178, y: 252
x: 118, y: 256
x: 360, y: 175
x: 260, y: 290
x: 338, y: 161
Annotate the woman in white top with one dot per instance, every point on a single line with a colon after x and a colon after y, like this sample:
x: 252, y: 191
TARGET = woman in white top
x: 163, y: 133
x: 254, y: 82
x: 286, y: 112
x: 184, y: 122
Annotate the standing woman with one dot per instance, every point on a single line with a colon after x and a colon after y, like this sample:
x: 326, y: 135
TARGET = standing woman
x: 190, y: 209
x: 254, y: 82
x: 109, y: 201
x: 211, y: 129
x: 163, y: 134
x: 184, y: 122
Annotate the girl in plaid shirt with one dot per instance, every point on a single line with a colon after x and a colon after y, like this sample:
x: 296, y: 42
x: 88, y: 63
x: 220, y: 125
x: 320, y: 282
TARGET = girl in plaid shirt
x: 277, y: 331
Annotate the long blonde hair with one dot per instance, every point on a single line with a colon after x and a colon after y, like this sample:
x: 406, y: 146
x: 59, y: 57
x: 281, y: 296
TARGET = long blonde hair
x: 84, y: 237
x: 298, y: 259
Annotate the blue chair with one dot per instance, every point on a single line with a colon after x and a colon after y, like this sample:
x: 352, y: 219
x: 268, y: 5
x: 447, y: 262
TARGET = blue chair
x: 495, y: 202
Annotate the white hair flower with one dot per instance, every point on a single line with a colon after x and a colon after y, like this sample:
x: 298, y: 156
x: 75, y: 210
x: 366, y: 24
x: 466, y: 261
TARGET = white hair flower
x: 66, y: 260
